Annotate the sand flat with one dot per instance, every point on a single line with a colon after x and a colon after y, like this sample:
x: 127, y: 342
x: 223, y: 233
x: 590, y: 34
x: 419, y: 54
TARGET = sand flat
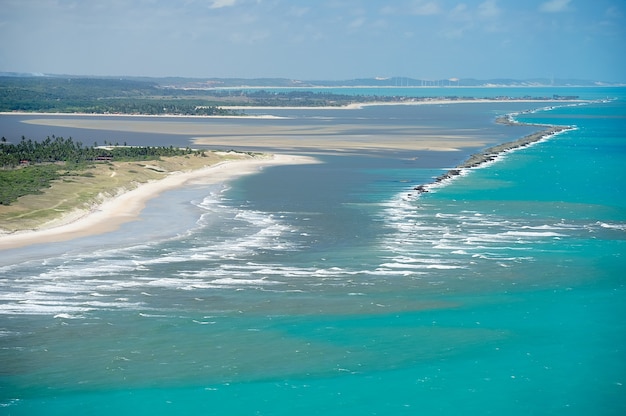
x: 280, y: 138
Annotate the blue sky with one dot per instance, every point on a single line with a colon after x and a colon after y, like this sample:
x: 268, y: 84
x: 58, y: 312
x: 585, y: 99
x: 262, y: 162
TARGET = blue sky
x: 317, y: 39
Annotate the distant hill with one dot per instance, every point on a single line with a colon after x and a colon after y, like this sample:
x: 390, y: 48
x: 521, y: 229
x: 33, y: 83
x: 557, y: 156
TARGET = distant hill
x: 373, y: 82
x: 212, y: 83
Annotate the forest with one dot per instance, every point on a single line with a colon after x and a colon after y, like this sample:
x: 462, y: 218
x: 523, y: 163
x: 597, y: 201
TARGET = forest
x: 100, y: 96
x: 28, y: 166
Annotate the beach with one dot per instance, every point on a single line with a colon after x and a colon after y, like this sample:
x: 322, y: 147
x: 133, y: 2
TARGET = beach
x: 108, y: 215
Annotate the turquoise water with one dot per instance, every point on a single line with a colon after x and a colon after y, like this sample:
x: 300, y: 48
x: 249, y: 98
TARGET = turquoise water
x: 334, y: 289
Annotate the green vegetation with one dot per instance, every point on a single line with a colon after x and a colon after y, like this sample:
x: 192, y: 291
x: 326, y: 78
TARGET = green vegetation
x: 58, y: 149
x: 100, y: 96
x: 123, y: 96
x: 29, y: 166
x: 174, y: 96
x: 309, y: 98
x: 29, y: 180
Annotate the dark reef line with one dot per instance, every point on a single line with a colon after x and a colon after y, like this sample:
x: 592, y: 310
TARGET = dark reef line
x: 491, y: 153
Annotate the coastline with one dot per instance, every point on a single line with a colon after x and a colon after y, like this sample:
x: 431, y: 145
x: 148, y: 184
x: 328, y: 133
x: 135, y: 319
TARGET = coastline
x: 491, y: 153
x: 422, y: 101
x: 78, y: 114
x: 351, y: 106
x: 127, y: 206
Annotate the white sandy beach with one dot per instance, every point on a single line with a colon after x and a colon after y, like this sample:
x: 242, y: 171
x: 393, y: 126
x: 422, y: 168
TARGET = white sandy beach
x: 421, y: 101
x: 128, y: 205
x: 353, y: 106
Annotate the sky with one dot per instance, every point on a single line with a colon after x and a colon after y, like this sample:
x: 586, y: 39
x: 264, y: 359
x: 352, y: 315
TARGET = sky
x: 317, y: 39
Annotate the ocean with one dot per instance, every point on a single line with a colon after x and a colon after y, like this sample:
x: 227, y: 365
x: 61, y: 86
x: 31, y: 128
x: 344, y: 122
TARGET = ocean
x: 335, y: 288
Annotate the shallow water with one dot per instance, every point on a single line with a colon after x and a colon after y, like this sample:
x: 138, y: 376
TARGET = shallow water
x: 333, y: 288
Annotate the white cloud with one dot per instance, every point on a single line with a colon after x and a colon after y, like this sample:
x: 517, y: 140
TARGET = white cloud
x: 555, y: 6
x: 299, y: 11
x: 460, y: 12
x: 380, y: 24
x: 425, y: 8
x: 218, y: 4
x: 489, y: 9
x: 463, y: 20
x: 415, y: 7
x: 388, y: 10
x: 356, y: 23
x: 249, y: 38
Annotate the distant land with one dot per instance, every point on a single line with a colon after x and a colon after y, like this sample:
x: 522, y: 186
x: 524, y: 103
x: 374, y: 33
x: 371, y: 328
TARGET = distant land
x: 230, y: 97
x: 393, y: 82
x: 390, y: 82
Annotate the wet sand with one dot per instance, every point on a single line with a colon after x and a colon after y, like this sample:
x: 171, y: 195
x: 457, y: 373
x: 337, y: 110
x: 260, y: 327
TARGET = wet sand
x: 304, y: 137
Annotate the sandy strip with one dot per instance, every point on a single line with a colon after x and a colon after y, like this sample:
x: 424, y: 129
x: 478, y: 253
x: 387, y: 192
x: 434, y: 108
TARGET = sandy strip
x: 127, y: 206
x: 351, y: 106
x: 408, y: 101
x: 273, y: 138
x: 165, y: 115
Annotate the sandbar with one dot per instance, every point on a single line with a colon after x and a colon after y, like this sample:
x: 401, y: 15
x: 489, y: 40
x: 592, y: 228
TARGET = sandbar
x: 127, y: 206
x: 410, y: 101
x: 272, y: 138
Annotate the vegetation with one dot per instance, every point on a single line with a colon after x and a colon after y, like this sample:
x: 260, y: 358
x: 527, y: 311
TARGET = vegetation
x: 310, y: 98
x: 180, y: 97
x: 29, y: 166
x: 58, y: 149
x: 100, y: 96
x: 30, y: 180
x: 123, y: 96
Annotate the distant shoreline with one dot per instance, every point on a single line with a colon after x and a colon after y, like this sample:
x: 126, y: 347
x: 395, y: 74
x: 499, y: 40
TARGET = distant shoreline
x: 351, y: 106
x: 78, y: 114
x: 425, y: 101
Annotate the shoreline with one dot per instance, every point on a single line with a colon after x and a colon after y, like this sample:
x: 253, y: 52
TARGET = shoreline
x: 411, y: 101
x: 351, y: 106
x: 108, y: 215
x: 125, y: 207
x: 78, y: 114
x: 492, y: 153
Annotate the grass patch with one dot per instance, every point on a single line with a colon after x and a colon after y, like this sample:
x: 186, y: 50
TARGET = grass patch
x: 73, y: 189
x: 15, y: 183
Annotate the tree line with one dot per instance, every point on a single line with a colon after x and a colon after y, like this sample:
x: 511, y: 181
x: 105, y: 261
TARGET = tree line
x: 29, y: 166
x: 101, y: 96
x: 58, y: 149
